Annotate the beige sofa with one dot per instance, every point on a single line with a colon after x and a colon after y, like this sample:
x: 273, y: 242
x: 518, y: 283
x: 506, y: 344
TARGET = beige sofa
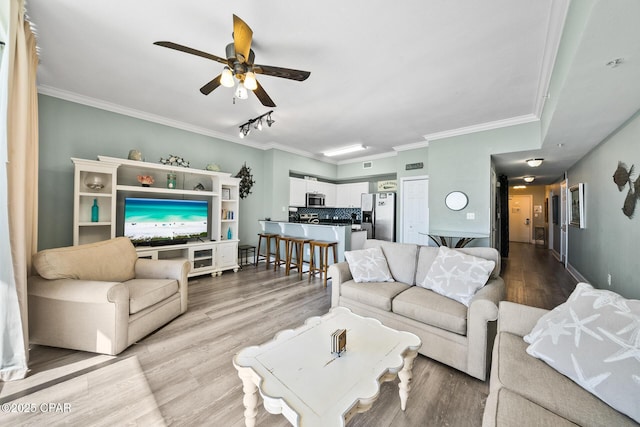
x: 451, y: 333
x: 100, y: 297
x: 525, y: 391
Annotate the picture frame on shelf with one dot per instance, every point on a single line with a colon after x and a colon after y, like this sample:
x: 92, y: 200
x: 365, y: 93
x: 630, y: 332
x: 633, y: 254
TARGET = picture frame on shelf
x: 226, y: 194
x: 576, y: 206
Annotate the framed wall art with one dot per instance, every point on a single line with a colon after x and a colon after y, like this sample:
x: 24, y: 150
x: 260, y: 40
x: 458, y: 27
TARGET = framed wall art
x: 576, y: 210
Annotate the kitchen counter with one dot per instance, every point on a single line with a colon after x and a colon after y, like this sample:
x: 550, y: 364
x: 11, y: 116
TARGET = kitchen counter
x: 337, y: 232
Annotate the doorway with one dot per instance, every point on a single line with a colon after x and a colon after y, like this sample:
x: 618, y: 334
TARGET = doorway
x: 414, y: 210
x: 520, y: 214
x: 563, y: 222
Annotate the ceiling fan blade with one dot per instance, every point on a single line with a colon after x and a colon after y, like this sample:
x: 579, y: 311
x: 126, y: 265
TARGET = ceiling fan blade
x: 191, y: 51
x: 285, y: 73
x: 263, y: 97
x: 242, y: 35
x: 211, y: 86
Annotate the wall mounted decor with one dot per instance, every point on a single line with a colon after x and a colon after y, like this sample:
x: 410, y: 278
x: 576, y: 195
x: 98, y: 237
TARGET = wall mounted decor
x: 621, y: 177
x: 456, y: 200
x: 555, y: 205
x: 246, y: 180
x: 576, y: 211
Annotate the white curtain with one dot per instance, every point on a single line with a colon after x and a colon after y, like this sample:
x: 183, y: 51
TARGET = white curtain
x: 18, y: 185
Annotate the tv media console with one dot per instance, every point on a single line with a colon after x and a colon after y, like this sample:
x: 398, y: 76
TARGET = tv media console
x: 108, y: 180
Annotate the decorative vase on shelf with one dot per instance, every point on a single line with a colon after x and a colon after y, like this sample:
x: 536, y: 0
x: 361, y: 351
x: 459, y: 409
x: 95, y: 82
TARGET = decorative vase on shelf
x: 94, y: 181
x: 229, y: 234
x: 95, y: 211
x: 171, y: 180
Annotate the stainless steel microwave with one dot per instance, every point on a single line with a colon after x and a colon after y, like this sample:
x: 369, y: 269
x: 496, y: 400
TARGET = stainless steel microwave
x: 315, y: 200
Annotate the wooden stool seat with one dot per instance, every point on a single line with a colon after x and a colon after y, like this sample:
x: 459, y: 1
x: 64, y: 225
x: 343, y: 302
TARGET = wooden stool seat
x: 323, y: 264
x: 297, y: 243
x: 267, y: 254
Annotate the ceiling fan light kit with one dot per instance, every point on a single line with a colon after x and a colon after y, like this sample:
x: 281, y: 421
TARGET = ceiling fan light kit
x: 240, y: 64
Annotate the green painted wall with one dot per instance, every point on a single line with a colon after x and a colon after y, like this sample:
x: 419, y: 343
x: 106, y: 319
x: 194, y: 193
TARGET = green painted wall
x: 383, y: 166
x: 610, y: 241
x: 69, y: 130
x: 463, y: 163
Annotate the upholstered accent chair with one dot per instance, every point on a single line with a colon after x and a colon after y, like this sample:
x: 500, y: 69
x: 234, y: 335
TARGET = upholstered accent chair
x: 100, y: 297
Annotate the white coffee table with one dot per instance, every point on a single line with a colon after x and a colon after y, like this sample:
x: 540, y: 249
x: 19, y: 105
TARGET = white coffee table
x: 298, y: 377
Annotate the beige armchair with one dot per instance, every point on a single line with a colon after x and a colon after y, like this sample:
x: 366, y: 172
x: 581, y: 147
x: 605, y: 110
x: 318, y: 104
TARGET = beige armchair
x: 100, y: 297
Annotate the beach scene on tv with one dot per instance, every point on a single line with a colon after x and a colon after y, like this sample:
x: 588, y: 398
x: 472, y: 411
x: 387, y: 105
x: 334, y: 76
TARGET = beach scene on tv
x: 158, y: 220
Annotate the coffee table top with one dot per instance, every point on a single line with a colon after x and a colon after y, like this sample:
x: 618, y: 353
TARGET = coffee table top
x: 299, y: 376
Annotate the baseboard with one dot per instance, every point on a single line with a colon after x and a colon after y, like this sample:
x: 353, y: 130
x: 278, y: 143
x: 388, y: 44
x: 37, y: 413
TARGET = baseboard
x: 576, y: 274
x: 556, y: 254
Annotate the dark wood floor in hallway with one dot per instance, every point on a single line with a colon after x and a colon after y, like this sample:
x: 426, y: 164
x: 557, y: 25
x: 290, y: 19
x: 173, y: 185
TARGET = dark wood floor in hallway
x: 182, y: 375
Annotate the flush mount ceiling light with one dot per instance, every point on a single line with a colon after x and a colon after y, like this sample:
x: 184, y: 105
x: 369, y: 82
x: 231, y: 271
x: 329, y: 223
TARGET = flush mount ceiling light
x: 534, y: 163
x: 245, y: 128
x: 344, y: 150
x: 519, y: 187
x: 529, y: 178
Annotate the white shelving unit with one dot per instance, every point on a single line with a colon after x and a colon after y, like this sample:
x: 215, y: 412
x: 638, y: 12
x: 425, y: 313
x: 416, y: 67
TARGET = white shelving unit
x: 119, y: 180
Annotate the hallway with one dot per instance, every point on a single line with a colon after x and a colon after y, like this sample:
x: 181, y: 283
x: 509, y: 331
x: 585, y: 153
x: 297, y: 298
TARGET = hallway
x: 533, y: 276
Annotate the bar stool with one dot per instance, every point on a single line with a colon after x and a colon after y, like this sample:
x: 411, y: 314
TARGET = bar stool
x: 297, y: 243
x: 323, y: 249
x: 280, y: 260
x: 267, y: 253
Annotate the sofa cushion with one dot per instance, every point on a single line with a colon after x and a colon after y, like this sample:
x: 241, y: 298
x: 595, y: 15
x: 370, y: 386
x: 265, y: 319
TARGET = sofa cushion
x: 513, y: 409
x: 428, y: 307
x: 109, y: 260
x: 374, y: 294
x: 457, y: 275
x: 401, y: 258
x: 594, y: 339
x: 537, y: 382
x: 426, y: 256
x: 144, y: 293
x: 368, y: 265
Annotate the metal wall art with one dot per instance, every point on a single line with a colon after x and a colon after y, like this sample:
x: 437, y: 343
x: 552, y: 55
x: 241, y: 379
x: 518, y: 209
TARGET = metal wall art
x: 621, y: 177
x: 246, y: 180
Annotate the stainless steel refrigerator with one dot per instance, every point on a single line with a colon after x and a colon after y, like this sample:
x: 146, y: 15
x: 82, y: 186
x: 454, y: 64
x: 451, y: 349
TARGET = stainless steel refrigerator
x: 379, y: 215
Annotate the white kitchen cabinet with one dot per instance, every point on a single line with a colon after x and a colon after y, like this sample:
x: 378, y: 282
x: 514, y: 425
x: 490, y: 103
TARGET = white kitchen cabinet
x: 348, y: 195
x: 297, y: 192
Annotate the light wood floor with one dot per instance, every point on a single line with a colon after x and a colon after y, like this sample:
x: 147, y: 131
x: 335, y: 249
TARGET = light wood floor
x: 182, y: 374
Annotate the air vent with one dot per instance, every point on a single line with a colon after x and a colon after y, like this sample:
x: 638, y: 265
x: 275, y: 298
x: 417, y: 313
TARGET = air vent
x: 367, y: 165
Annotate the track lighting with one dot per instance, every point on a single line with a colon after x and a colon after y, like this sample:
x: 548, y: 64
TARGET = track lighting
x: 245, y: 128
x: 534, y: 163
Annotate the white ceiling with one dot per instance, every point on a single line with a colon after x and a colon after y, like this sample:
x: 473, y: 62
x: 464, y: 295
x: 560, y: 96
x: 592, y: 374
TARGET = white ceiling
x: 383, y: 74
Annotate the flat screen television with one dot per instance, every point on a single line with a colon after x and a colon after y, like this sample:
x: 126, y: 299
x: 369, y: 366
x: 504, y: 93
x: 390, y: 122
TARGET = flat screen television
x: 164, y: 221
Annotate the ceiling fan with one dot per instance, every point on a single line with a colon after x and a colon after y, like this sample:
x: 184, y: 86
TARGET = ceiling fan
x: 240, y: 64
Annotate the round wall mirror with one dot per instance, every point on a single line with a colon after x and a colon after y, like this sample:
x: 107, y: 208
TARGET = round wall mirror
x: 456, y: 200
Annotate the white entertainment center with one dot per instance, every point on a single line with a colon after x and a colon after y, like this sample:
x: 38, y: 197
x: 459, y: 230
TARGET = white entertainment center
x: 109, y: 180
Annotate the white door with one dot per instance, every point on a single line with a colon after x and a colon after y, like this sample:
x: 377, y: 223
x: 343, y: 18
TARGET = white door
x: 563, y: 222
x: 414, y: 210
x: 520, y: 218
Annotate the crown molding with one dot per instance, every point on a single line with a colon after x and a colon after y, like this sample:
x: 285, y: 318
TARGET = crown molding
x: 367, y: 158
x: 527, y: 118
x: 412, y: 146
x: 138, y: 114
x: 557, y: 19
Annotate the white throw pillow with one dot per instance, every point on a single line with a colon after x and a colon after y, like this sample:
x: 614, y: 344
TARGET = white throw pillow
x: 457, y: 275
x: 368, y: 265
x: 594, y: 339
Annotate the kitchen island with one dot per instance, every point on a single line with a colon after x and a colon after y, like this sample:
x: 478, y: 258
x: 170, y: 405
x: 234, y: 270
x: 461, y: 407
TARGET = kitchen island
x: 340, y: 233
